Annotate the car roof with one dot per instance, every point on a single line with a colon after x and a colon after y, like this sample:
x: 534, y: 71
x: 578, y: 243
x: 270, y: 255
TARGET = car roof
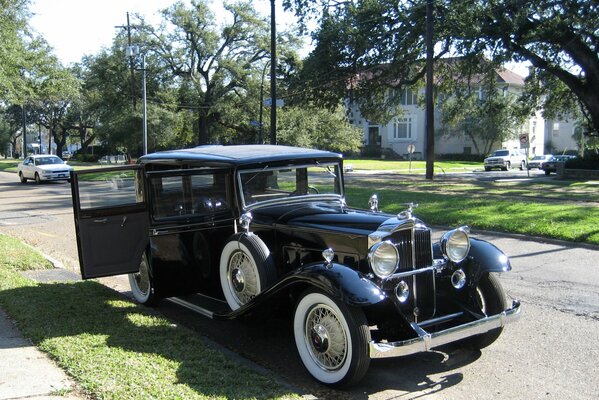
x: 240, y: 154
x: 42, y: 155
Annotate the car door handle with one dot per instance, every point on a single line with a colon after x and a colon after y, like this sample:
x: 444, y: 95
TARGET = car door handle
x: 100, y: 221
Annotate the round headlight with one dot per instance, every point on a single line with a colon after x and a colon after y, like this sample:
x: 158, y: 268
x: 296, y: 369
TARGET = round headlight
x: 456, y: 244
x: 384, y: 259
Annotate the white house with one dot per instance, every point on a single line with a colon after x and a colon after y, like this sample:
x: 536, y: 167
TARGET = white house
x: 409, y: 128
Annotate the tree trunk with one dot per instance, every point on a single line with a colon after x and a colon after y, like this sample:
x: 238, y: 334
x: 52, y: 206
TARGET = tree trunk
x: 202, y: 127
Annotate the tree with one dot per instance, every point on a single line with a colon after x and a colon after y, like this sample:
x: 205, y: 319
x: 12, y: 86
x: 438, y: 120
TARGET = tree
x: 54, y: 88
x: 472, y: 103
x: 362, y: 50
x: 559, y: 38
x: 215, y: 62
x: 13, y: 52
x: 318, y: 128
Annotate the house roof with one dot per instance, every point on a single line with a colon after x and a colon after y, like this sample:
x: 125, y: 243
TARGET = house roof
x: 450, y: 64
x: 507, y: 76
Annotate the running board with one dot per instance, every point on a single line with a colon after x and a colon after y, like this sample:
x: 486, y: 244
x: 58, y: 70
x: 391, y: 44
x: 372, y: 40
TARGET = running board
x: 201, y: 304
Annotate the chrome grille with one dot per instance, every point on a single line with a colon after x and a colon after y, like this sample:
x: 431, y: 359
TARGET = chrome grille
x: 414, y: 247
x: 415, y: 252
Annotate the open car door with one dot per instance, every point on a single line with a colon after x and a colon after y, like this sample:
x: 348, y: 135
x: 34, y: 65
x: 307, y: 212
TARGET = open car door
x: 111, y: 219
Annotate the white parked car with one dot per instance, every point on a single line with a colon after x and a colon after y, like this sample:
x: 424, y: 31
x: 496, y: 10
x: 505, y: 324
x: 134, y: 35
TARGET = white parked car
x: 44, y: 167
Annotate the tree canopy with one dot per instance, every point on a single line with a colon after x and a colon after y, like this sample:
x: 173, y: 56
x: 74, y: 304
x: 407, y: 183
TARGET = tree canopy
x: 385, y: 40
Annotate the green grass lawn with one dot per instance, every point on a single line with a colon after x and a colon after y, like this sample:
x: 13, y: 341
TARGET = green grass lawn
x: 417, y: 167
x: 114, y: 348
x: 503, y: 211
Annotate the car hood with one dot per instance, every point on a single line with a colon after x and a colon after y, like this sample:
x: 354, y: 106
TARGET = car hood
x: 324, y: 216
x: 55, y: 167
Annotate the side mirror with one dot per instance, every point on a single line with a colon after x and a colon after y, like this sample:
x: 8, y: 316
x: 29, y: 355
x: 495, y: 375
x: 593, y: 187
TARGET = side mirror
x: 373, y: 203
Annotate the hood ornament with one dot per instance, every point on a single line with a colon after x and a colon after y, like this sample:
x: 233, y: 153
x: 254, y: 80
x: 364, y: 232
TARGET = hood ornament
x: 407, y: 214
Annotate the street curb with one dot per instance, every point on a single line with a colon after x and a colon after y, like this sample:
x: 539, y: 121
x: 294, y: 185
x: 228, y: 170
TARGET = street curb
x: 538, y: 239
x: 522, y: 236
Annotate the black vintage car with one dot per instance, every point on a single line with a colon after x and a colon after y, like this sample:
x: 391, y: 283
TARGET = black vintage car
x: 227, y: 230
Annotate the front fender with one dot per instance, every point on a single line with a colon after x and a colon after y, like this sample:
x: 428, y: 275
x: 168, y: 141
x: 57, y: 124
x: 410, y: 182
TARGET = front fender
x: 485, y: 257
x: 344, y: 283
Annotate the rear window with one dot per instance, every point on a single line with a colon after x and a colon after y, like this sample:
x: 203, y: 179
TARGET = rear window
x: 188, y: 195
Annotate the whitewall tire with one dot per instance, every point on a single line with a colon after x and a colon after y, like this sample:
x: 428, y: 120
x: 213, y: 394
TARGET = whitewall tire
x: 142, y: 284
x: 246, y: 269
x: 331, y: 339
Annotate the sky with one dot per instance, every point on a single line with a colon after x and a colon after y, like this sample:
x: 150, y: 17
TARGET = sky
x: 75, y: 28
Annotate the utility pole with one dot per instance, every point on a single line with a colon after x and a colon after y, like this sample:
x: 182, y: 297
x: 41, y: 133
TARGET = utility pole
x: 430, y: 115
x: 260, y: 129
x: 130, y: 55
x: 145, y: 110
x: 273, y: 72
x: 24, y: 116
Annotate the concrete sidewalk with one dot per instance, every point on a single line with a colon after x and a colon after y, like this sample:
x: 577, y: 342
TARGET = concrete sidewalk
x: 26, y: 372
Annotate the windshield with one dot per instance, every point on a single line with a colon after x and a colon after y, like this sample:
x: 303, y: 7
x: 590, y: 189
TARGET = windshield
x: 501, y: 153
x: 47, y: 160
x: 282, y: 183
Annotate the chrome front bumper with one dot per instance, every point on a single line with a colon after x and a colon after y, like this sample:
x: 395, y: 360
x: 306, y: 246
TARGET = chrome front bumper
x: 427, y: 341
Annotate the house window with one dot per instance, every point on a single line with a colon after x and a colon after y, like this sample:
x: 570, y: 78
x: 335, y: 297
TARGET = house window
x: 402, y: 128
x: 467, y: 150
x: 407, y: 97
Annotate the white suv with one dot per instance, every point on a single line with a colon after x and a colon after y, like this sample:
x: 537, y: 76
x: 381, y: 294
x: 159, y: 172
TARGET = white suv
x: 505, y: 159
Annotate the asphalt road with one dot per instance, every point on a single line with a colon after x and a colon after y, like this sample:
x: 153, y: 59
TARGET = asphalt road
x: 550, y: 353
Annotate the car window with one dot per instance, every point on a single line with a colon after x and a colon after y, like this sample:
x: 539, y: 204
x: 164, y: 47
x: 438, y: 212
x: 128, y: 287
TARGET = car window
x: 501, y: 153
x: 188, y: 195
x: 109, y: 189
x: 271, y: 184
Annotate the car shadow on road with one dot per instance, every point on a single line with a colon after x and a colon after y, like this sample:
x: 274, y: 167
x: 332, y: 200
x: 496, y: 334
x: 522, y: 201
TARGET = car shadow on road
x: 268, y: 341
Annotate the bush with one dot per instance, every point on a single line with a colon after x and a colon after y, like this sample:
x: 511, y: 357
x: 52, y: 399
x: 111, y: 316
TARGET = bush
x: 85, y: 157
x: 589, y: 161
x: 371, y: 151
x: 460, y: 157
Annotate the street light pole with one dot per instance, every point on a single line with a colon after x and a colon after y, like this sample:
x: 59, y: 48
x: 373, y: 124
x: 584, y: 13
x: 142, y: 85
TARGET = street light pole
x: 430, y: 116
x: 24, y: 116
x: 145, y: 112
x: 260, y: 130
x: 273, y: 71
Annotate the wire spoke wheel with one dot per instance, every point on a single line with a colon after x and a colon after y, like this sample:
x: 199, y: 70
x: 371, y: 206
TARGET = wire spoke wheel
x: 246, y: 268
x: 326, y: 338
x: 331, y: 339
x: 243, y: 277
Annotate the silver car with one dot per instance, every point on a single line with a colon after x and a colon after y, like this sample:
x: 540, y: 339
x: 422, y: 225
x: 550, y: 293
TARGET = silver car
x: 539, y: 161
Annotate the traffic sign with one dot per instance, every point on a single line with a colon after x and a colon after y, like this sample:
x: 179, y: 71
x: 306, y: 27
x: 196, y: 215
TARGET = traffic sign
x: 411, y: 148
x: 524, y: 138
